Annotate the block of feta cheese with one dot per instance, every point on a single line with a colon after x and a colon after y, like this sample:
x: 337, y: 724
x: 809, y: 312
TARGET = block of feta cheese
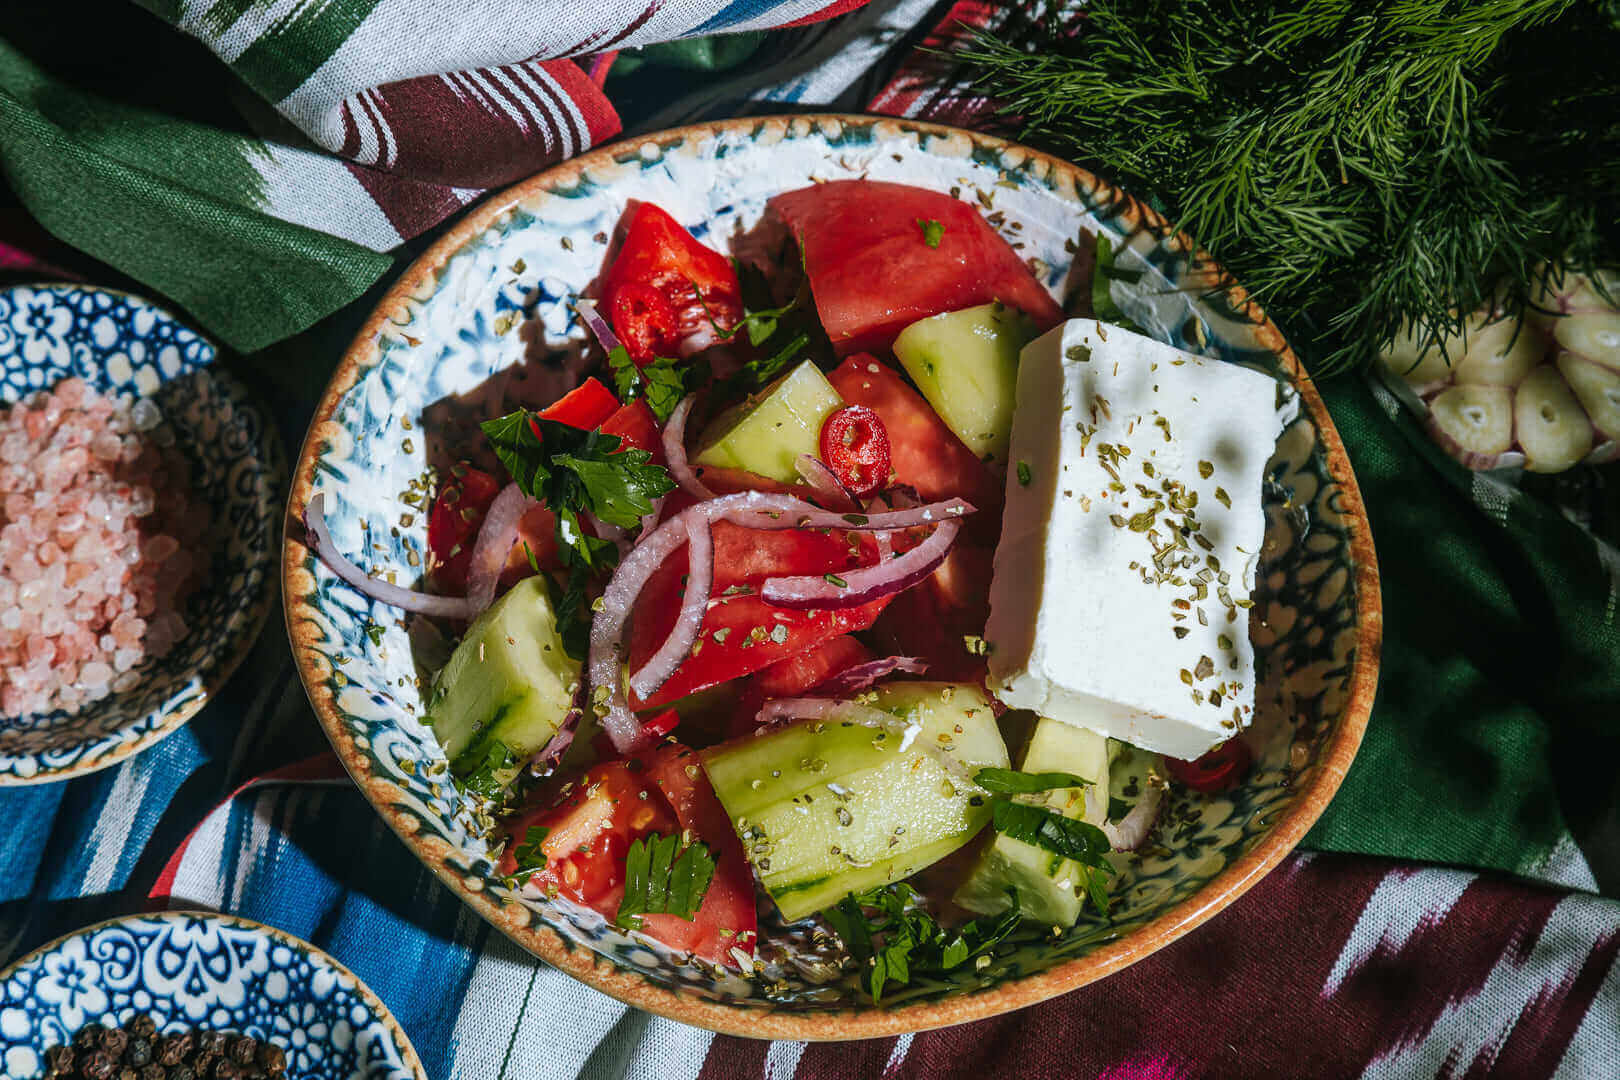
x: 1121, y: 589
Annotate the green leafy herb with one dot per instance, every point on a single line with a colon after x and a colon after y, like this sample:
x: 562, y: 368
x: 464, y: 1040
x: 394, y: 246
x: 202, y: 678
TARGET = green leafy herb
x: 893, y: 938
x: 1024, y: 475
x: 757, y: 373
x: 375, y: 633
x: 487, y: 776
x: 572, y: 470
x: 661, y: 878
x: 1358, y: 167
x: 662, y: 382
x: 933, y: 231
x: 1105, y: 271
x: 1048, y: 829
x: 530, y: 856
x: 1013, y: 782
x: 834, y: 579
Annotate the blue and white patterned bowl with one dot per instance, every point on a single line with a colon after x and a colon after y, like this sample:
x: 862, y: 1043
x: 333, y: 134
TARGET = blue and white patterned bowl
x: 200, y: 970
x: 123, y: 345
x: 484, y: 321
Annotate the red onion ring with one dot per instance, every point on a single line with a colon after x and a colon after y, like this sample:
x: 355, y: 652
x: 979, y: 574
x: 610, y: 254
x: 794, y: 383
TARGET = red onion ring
x: 496, y: 536
x: 825, y: 483
x: 854, y: 679
x: 320, y: 543
x: 861, y: 586
x: 699, y: 585
x: 675, y: 450
x: 1131, y: 831
x: 751, y: 509
x: 596, y: 324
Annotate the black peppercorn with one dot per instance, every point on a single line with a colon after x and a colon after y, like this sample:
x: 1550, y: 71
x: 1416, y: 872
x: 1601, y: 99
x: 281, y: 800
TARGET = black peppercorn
x: 60, y: 1058
x: 113, y: 1040
x: 88, y: 1037
x: 128, y: 1073
x: 227, y: 1069
x: 272, y: 1059
x: 212, y: 1042
x: 143, y: 1026
x: 138, y: 1052
x: 182, y: 1071
x: 154, y: 1071
x: 97, y: 1066
x: 170, y: 1050
x: 241, y: 1049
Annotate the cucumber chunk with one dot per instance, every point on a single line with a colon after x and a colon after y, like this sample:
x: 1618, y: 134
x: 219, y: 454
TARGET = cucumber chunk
x: 1050, y: 888
x: 825, y: 809
x: 767, y: 433
x: 506, y: 690
x: 966, y: 364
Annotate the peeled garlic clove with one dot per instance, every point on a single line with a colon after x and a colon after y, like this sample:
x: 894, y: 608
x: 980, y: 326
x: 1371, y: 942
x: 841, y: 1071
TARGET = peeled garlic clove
x: 1594, y: 336
x: 1552, y: 427
x: 1500, y: 354
x: 1407, y: 356
x: 1597, y: 388
x: 1473, y: 423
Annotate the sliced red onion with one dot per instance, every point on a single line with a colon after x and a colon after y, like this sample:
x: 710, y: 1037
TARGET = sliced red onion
x: 855, y: 679
x: 835, y: 711
x: 825, y: 483
x: 596, y: 324
x: 900, y: 496
x: 698, y: 340
x: 675, y: 450
x: 1131, y: 831
x: 320, y: 542
x: 699, y: 584
x: 855, y: 587
x: 496, y: 536
x: 752, y: 509
x: 649, y: 521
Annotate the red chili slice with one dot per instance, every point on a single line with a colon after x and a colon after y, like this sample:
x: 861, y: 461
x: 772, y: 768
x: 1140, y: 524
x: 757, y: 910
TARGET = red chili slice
x: 1219, y: 770
x: 855, y: 445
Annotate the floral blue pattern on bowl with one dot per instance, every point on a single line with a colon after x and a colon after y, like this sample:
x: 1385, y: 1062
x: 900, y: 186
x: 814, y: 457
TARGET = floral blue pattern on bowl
x: 198, y: 970
x: 123, y: 345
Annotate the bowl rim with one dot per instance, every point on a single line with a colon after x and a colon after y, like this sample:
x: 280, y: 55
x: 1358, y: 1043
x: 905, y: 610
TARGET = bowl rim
x: 410, y: 1058
x: 760, y: 1020
x: 223, y: 665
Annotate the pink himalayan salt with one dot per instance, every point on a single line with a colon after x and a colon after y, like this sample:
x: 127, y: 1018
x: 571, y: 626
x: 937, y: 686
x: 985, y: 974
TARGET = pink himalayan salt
x: 99, y: 544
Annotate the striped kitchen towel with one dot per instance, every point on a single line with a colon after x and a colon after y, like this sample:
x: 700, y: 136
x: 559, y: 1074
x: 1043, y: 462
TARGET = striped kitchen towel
x: 255, y: 161
x: 1331, y: 966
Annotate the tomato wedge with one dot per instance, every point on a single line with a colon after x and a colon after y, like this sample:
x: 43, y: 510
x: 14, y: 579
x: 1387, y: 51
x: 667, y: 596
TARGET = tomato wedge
x: 877, y: 263
x: 727, y: 918
x: 924, y: 452
x: 585, y: 406
x: 934, y: 620
x: 742, y: 633
x: 590, y: 832
x: 638, y: 429
x: 795, y: 676
x: 453, y: 523
x: 663, y: 288
x: 1219, y: 770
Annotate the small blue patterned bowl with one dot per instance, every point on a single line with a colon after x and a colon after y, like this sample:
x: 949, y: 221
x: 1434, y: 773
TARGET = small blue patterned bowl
x: 199, y: 970
x: 123, y: 345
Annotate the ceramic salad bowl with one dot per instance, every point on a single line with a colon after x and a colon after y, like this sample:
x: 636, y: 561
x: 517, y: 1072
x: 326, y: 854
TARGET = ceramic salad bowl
x: 191, y: 970
x: 485, y: 321
x: 124, y: 345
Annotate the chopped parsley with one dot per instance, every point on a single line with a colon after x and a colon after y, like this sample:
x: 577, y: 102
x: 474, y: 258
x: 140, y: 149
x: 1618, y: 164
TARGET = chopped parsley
x: 1024, y: 475
x: 932, y: 231
x: 893, y: 938
x: 658, y: 880
x: 662, y: 382
x: 1105, y: 272
x: 834, y: 579
x: 488, y: 776
x: 1067, y: 837
x: 529, y: 854
x: 374, y: 631
x: 1013, y: 782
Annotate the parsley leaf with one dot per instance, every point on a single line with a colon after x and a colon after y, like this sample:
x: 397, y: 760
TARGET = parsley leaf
x: 1024, y: 475
x: 530, y: 858
x: 757, y: 373
x: 662, y: 382
x: 658, y: 881
x: 1048, y: 829
x: 933, y: 231
x: 893, y: 938
x: 1013, y: 782
x: 1105, y: 271
x: 570, y: 470
x: 488, y: 776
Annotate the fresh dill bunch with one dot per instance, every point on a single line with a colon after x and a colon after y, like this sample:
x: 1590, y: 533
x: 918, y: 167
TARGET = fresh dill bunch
x: 1358, y: 165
